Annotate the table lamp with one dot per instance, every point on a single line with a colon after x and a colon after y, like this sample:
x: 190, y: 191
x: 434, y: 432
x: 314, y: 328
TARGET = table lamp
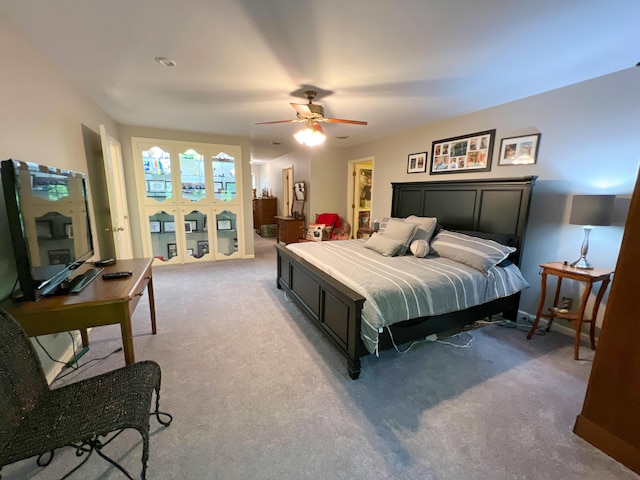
x: 590, y: 211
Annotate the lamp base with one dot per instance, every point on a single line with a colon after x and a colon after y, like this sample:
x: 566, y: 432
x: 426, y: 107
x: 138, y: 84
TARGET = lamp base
x: 582, y: 263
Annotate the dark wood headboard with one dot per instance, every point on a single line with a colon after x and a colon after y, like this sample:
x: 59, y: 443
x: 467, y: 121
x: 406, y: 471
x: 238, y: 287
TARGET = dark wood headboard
x: 485, y: 205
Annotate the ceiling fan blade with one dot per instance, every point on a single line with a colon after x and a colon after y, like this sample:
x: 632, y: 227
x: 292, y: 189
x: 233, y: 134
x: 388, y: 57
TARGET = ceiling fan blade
x: 341, y: 120
x: 302, y: 108
x: 278, y: 121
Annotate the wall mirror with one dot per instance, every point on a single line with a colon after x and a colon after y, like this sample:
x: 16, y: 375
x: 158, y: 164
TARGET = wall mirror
x: 299, y: 192
x: 299, y: 197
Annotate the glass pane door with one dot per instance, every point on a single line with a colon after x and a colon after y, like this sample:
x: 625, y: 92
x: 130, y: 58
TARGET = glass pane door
x: 157, y: 173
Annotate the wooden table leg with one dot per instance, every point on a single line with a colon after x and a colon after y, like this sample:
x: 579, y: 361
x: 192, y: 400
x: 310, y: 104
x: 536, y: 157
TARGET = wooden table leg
x: 583, y: 306
x: 127, y: 339
x: 555, y: 304
x: 152, y: 303
x: 543, y: 294
x: 594, y: 313
x: 85, y: 337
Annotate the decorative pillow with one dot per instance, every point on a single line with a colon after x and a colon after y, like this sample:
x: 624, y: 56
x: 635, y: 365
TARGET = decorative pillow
x: 419, y: 248
x: 476, y: 252
x: 400, y: 230
x: 384, y: 245
x: 426, y: 227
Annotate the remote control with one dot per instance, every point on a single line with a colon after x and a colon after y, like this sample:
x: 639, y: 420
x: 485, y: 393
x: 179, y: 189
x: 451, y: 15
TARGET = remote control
x: 116, y: 275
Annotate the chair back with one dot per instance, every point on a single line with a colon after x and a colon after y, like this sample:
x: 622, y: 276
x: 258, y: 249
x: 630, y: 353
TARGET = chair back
x: 22, y: 379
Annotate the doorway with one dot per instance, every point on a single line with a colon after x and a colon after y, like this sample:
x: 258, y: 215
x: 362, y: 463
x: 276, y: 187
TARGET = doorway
x: 360, y: 196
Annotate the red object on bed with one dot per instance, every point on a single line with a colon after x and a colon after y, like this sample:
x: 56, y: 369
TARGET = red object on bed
x: 330, y: 220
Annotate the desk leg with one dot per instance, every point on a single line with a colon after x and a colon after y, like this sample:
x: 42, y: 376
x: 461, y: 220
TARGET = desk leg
x: 152, y: 303
x: 85, y: 337
x: 127, y: 338
x: 543, y: 294
x: 594, y: 313
x: 583, y: 306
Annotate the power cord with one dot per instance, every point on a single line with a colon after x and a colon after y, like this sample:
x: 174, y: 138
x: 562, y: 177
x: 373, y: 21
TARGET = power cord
x: 73, y: 369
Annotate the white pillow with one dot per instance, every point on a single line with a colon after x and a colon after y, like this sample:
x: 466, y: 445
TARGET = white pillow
x: 400, y: 230
x: 426, y: 227
x: 419, y: 248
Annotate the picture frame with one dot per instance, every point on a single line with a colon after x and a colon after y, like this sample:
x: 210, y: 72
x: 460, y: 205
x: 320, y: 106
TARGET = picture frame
x: 224, y: 224
x: 190, y: 252
x: 68, y: 230
x: 169, y: 227
x: 203, y: 247
x: 521, y: 150
x: 172, y: 250
x: 156, y: 186
x: 463, y: 154
x: 218, y: 187
x: 44, y: 229
x: 230, y: 187
x: 190, y: 226
x: 417, y: 162
x: 154, y: 226
x: 61, y: 256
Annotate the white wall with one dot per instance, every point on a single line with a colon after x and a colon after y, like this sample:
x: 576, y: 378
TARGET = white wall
x: 41, y: 122
x: 588, y: 145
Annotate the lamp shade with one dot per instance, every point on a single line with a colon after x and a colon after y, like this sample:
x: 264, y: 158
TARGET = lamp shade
x: 595, y: 210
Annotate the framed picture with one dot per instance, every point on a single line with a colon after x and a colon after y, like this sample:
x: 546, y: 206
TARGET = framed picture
x: 169, y: 227
x: 155, y: 186
x: 218, y: 187
x: 190, y: 252
x: 190, y: 226
x: 203, y: 247
x: 172, y: 250
x: 466, y: 153
x: 59, y: 257
x: 230, y: 187
x: 519, y: 150
x: 68, y: 230
x: 417, y: 162
x: 154, y: 226
x: 44, y: 229
x: 224, y: 224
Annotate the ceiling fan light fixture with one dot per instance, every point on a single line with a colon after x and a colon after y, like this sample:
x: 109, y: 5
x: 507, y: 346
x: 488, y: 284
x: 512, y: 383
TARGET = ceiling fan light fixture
x: 312, y: 135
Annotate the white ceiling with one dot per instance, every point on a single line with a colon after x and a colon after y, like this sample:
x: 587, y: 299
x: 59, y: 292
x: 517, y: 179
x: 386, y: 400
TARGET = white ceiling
x: 398, y: 64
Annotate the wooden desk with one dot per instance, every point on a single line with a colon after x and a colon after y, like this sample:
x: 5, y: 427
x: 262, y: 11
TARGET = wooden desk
x: 102, y: 302
x: 575, y: 317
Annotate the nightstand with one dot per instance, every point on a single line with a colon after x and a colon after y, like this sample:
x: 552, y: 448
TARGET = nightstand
x: 575, y: 317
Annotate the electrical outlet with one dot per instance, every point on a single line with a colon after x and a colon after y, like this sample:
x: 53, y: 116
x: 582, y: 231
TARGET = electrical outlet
x: 567, y: 302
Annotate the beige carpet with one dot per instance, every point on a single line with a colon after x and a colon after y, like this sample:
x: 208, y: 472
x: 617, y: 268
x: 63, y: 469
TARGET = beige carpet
x: 257, y: 392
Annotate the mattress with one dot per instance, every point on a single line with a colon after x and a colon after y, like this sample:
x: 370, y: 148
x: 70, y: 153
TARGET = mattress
x: 406, y: 287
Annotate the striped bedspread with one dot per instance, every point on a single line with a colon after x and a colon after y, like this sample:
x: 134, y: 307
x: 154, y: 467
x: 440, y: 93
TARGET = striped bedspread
x: 401, y: 288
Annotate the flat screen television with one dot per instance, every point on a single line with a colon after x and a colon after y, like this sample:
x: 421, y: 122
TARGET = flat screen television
x: 48, y: 215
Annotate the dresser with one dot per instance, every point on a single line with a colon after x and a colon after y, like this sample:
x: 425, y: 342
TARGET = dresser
x: 264, y: 212
x: 290, y: 229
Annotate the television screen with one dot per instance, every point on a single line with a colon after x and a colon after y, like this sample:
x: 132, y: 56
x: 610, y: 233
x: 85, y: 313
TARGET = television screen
x: 49, y: 224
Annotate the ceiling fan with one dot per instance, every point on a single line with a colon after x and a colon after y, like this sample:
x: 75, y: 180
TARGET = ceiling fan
x: 311, y: 113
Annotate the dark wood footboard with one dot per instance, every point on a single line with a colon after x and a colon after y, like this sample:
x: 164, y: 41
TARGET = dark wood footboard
x: 335, y: 308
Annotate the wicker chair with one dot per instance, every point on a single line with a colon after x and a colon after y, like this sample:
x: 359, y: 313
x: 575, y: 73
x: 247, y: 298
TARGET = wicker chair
x: 36, y: 420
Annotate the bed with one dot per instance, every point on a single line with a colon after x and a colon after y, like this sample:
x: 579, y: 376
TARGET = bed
x: 491, y: 206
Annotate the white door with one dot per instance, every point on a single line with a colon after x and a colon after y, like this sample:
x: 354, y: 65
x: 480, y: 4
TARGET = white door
x: 120, y: 228
x: 287, y: 191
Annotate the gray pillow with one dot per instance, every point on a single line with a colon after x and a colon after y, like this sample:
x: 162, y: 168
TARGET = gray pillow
x: 400, y: 230
x: 476, y: 252
x: 426, y: 227
x: 384, y: 245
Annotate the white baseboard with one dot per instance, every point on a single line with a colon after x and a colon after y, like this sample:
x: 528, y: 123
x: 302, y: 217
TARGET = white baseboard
x: 557, y: 326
